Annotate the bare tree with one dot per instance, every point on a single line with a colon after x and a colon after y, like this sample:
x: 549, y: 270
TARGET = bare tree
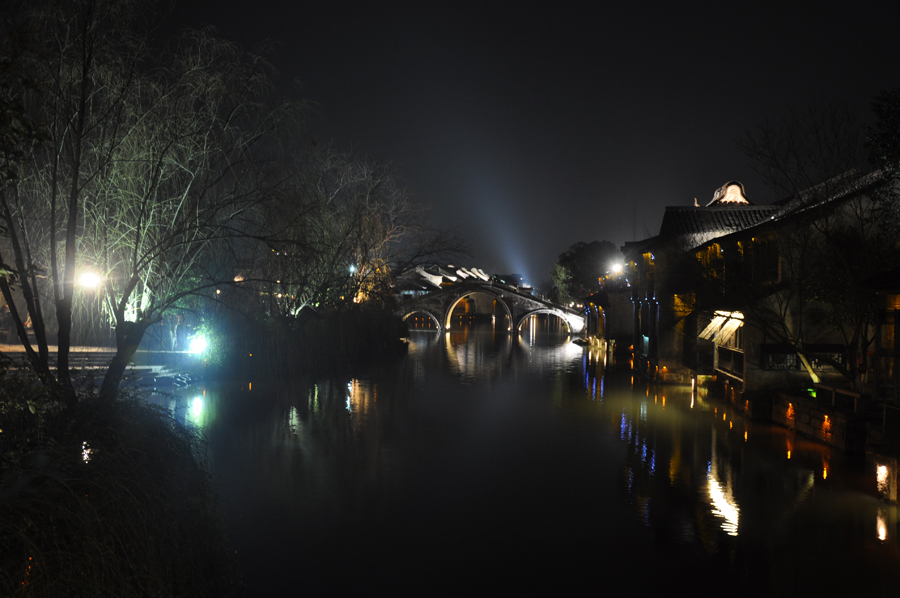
x: 346, y: 227
x: 809, y: 155
x: 883, y: 144
x: 826, y: 240
x: 153, y: 168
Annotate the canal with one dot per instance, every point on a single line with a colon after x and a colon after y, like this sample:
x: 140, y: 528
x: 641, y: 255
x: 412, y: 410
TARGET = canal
x: 482, y: 463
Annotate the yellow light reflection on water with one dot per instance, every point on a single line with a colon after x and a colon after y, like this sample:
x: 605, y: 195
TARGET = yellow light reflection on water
x: 723, y: 507
x: 881, y: 525
x: 360, y: 399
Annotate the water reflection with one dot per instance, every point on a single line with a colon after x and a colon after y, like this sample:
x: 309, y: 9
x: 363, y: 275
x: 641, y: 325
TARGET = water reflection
x: 722, y: 495
x: 483, y: 360
x: 536, y: 463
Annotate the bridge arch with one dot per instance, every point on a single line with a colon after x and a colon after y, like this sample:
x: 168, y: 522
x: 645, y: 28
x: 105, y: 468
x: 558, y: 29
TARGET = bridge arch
x: 440, y: 303
x: 496, y: 297
x: 550, y: 311
x: 434, y: 318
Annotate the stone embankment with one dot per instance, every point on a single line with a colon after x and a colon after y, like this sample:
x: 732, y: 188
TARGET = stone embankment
x: 843, y: 429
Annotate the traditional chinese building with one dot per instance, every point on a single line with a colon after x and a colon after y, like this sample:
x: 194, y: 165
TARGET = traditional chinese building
x: 664, y: 280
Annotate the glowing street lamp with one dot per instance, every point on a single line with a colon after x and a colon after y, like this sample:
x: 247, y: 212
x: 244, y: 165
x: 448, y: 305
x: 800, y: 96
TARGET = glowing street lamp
x: 617, y: 268
x: 198, y: 345
x: 90, y: 279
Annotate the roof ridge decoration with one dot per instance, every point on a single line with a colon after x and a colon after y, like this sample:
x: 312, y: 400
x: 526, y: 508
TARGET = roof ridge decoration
x: 731, y: 193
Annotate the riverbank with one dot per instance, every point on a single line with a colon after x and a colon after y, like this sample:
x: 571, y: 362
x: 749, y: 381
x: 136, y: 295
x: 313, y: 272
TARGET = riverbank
x: 842, y: 420
x: 117, y: 499
x: 105, y: 499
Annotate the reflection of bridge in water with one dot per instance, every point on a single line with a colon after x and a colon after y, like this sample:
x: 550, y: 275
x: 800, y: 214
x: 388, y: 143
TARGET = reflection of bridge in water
x: 516, y: 306
x: 478, y: 352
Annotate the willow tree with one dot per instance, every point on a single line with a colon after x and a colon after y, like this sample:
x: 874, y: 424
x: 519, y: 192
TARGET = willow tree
x: 155, y: 167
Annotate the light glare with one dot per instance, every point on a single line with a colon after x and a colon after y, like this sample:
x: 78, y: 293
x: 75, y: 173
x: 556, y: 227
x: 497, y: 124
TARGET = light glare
x: 90, y: 280
x: 198, y: 345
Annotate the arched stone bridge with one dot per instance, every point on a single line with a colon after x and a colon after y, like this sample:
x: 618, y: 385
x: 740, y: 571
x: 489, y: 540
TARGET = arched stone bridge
x: 439, y: 305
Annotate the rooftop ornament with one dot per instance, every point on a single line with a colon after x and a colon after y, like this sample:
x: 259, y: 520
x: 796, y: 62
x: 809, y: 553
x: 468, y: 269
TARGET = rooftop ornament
x: 731, y: 193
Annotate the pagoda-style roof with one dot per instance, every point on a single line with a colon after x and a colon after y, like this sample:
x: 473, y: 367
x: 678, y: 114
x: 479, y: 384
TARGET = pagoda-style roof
x: 728, y: 212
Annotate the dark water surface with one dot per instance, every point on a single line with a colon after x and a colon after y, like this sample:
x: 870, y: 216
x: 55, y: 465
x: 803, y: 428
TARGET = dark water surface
x: 487, y: 464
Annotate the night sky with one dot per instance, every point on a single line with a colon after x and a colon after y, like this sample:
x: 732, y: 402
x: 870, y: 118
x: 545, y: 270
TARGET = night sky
x: 529, y: 127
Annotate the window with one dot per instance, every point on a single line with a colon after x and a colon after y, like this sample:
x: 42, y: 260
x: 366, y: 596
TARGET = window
x: 712, y: 258
x: 724, y: 328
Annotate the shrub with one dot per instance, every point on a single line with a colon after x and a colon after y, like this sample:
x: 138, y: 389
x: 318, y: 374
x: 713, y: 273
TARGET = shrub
x: 105, y: 500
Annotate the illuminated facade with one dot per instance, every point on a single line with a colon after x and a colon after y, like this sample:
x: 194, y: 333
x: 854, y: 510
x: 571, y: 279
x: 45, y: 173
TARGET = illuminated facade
x: 665, y: 285
x: 729, y: 289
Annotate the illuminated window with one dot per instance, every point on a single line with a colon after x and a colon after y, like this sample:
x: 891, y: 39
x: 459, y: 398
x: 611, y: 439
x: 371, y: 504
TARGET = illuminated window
x: 712, y: 260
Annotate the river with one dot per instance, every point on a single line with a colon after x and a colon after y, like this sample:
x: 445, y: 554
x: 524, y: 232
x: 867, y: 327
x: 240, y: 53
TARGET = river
x: 482, y: 463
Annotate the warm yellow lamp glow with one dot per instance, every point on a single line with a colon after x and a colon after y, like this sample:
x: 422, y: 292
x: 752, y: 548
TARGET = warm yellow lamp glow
x: 90, y: 280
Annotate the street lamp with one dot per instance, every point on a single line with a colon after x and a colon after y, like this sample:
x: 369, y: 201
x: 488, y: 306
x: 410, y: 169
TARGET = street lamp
x: 90, y: 279
x: 198, y: 345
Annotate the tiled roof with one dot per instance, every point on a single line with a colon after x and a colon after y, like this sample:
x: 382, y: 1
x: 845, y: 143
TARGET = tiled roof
x: 712, y: 221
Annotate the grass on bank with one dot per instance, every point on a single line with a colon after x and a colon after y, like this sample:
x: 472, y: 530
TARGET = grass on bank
x: 104, y: 500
